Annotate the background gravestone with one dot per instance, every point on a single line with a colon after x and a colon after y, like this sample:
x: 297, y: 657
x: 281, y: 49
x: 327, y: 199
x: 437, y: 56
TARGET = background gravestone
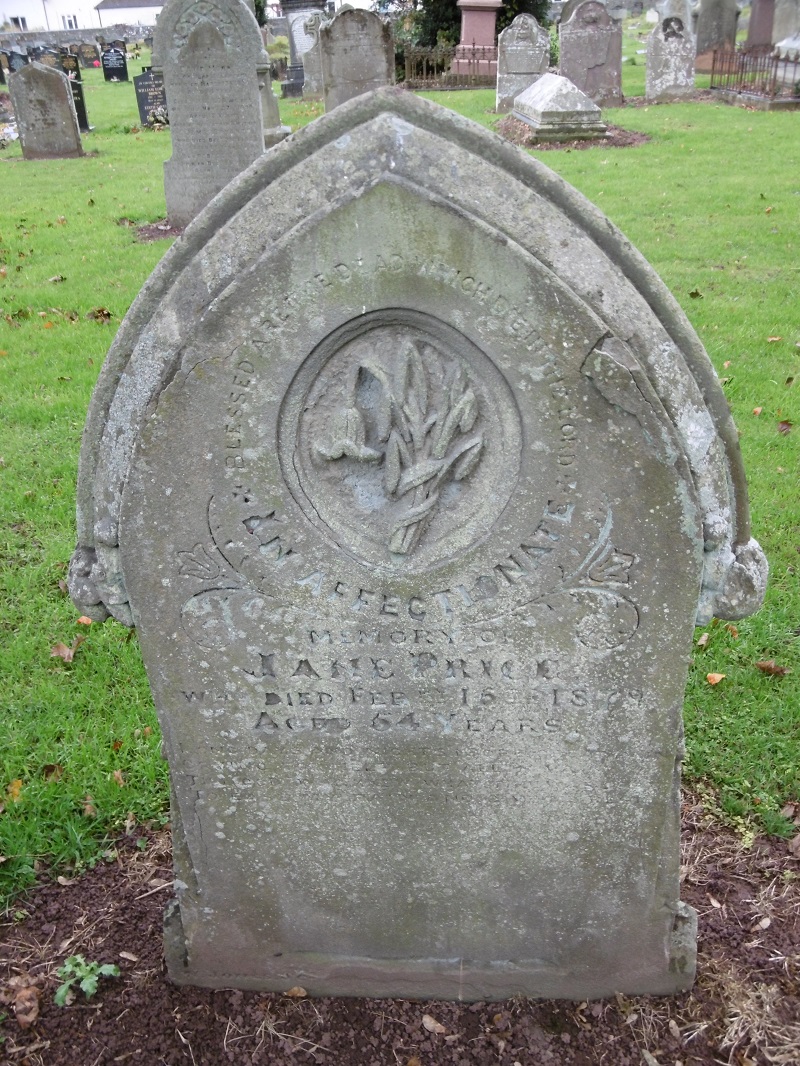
x: 297, y: 14
x: 716, y: 30
x: 356, y: 56
x: 414, y: 478
x: 115, y: 64
x: 590, y: 53
x: 556, y: 110
x: 312, y: 58
x: 209, y: 56
x: 88, y: 55
x: 150, y: 97
x: 670, y: 61
x: 45, y: 113
x: 523, y: 55
x: 17, y: 60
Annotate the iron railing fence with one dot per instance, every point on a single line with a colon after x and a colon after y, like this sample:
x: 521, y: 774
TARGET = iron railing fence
x: 760, y: 72
x: 442, y: 68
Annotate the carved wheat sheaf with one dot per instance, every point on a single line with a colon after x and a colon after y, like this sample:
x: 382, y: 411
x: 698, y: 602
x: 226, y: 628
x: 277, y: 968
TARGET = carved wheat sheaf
x: 425, y: 436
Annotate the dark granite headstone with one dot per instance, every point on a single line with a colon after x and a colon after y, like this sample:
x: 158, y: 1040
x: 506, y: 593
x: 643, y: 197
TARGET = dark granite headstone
x: 49, y: 58
x: 71, y: 66
x: 79, y: 101
x: 2, y: 74
x: 17, y: 60
x: 115, y: 65
x: 150, y: 95
x: 88, y: 55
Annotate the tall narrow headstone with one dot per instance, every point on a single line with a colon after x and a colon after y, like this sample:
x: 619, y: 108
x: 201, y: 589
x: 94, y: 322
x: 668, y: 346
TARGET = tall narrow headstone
x: 590, y: 53
x: 716, y: 30
x: 670, y: 62
x: 356, y: 56
x: 208, y: 54
x: 523, y: 55
x: 312, y: 58
x: 414, y: 477
x: 762, y: 20
x: 151, y: 100
x: 45, y: 113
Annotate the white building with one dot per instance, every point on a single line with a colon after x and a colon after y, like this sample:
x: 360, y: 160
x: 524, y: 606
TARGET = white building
x: 33, y: 15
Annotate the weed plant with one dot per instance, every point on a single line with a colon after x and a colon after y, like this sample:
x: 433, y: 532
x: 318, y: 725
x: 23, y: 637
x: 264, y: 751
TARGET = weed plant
x: 712, y: 200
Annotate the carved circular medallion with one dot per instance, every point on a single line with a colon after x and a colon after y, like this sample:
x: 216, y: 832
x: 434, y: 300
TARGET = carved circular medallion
x: 401, y: 439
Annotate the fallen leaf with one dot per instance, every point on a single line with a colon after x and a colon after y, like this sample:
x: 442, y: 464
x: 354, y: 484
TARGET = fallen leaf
x: 714, y: 679
x: 734, y: 632
x: 674, y: 1029
x: 414, y: 1061
x: 61, y: 651
x: 789, y: 810
x: 296, y: 992
x: 648, y: 1058
x: 765, y: 923
x: 116, y: 745
x: 119, y: 778
x: 714, y: 902
x: 89, y: 808
x: 14, y: 790
x: 769, y: 666
x: 61, y: 220
x: 65, y: 881
x: 48, y: 325
x: 432, y: 1025
x: 56, y: 278
x: 757, y: 410
x: 26, y: 1006
x: 768, y: 210
x: 53, y: 771
x: 704, y: 639
x: 771, y: 340
x: 785, y: 427
x: 696, y: 294
x: 84, y: 620
x: 63, y: 587
x: 727, y: 363
x: 100, y: 314
x: 127, y: 955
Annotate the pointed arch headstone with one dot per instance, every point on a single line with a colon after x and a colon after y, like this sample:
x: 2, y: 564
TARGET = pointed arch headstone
x: 414, y: 477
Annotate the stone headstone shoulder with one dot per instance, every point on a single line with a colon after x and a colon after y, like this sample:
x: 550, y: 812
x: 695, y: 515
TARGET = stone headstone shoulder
x: 523, y: 55
x: 45, y: 113
x: 415, y: 524
x: 356, y: 55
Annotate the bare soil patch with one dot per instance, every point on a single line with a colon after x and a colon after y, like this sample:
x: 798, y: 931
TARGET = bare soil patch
x: 158, y: 231
x: 521, y: 134
x: 744, y: 1009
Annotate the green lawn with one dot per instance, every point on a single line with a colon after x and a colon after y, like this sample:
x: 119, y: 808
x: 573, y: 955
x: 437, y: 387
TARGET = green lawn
x: 712, y: 200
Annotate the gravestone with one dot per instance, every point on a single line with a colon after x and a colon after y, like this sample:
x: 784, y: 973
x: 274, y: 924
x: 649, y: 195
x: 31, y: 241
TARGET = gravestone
x: 312, y: 58
x: 4, y: 64
x: 476, y: 53
x: 150, y: 97
x: 298, y: 13
x: 762, y: 20
x: 79, y: 102
x: 356, y: 56
x: 210, y: 56
x: 716, y: 30
x: 523, y: 55
x: 670, y: 62
x: 413, y: 477
x: 556, y: 110
x: 88, y: 55
x: 70, y: 65
x: 17, y: 60
x: 115, y: 64
x: 45, y: 113
x: 590, y: 53
x: 48, y: 58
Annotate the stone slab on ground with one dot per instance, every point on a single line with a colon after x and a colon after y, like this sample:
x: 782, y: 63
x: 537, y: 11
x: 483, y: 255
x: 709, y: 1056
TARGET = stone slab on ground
x: 557, y: 110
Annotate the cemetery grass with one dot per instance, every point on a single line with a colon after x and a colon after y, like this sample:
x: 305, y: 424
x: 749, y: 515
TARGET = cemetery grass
x: 79, y: 761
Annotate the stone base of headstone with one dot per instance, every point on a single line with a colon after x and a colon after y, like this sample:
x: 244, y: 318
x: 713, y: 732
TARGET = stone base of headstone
x: 556, y: 110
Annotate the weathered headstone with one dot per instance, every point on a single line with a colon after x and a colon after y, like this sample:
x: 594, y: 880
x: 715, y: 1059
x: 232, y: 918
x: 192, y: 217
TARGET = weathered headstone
x: 762, y: 20
x: 45, y: 113
x: 670, y: 62
x: 590, y: 53
x: 556, y: 110
x: 115, y: 64
x: 297, y: 13
x: 356, y: 56
x: 150, y: 97
x: 88, y: 55
x: 716, y: 30
x: 523, y: 55
x: 312, y: 58
x: 413, y: 477
x: 209, y: 55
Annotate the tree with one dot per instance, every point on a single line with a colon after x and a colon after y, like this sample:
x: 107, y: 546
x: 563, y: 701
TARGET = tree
x: 261, y: 12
